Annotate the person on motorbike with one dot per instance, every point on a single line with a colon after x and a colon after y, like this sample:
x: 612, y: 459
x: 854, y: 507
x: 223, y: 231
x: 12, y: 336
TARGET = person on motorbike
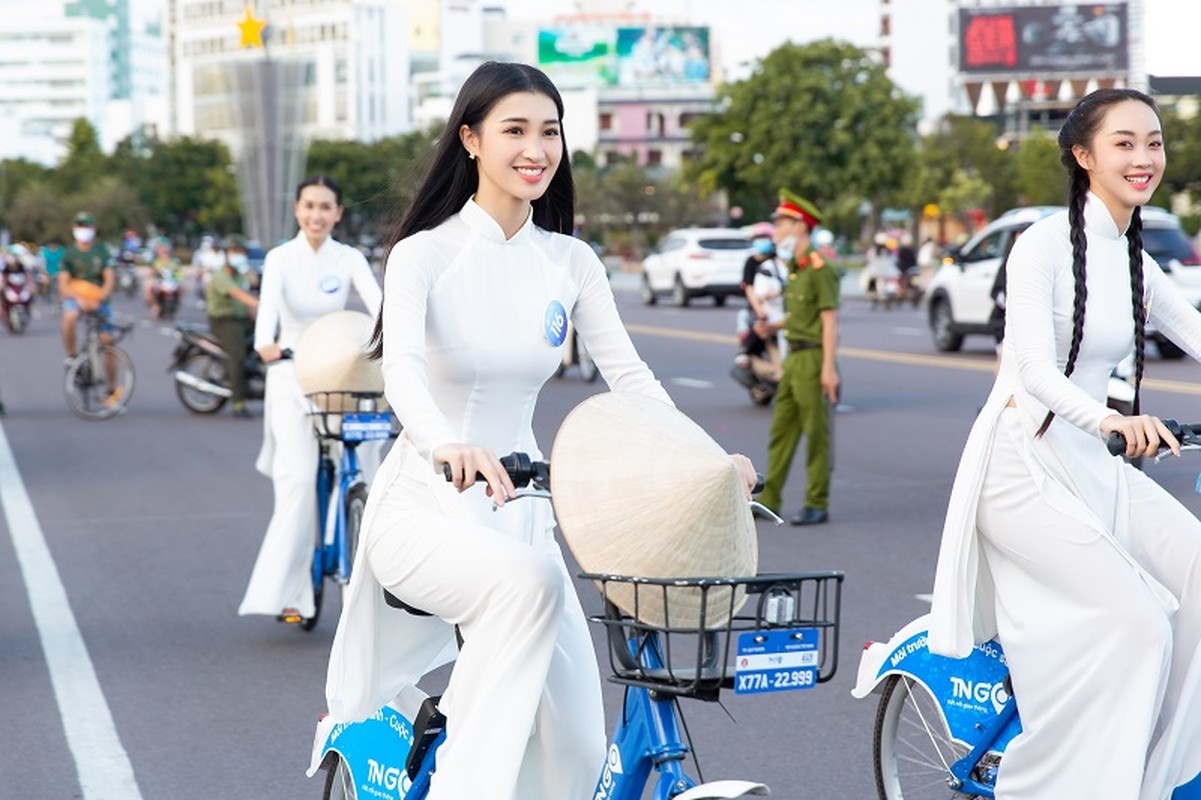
x: 165, y: 272
x: 230, y: 308
x: 759, y: 352
x: 206, y: 259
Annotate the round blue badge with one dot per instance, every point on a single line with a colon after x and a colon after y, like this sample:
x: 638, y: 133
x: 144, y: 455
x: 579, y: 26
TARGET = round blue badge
x: 329, y: 283
x: 555, y: 323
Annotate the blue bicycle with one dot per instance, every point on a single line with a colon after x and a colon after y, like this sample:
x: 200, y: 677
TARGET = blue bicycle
x: 784, y: 638
x: 942, y: 724
x: 342, y: 421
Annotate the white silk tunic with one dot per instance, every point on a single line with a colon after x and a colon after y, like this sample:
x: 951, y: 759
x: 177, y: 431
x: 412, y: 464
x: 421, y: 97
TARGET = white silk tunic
x: 467, y: 348
x: 1070, y: 463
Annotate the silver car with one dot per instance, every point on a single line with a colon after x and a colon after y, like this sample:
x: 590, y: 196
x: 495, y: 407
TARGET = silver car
x: 696, y: 262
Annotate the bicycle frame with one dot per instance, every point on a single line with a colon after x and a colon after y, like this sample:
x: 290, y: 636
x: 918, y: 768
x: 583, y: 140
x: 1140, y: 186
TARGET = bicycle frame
x: 332, y: 557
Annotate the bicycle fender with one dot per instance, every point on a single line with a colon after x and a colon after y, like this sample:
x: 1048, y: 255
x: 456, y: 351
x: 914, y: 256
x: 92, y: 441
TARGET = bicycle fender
x: 723, y: 790
x: 374, y: 749
x: 970, y: 691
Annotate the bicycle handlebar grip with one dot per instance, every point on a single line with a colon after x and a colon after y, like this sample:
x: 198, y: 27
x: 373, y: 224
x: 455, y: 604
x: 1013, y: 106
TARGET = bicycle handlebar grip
x: 1117, y: 442
x: 519, y: 466
x: 760, y: 483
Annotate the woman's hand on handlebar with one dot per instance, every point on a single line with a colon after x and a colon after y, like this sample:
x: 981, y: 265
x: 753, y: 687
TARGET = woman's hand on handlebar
x: 468, y: 462
x: 270, y: 352
x: 746, y: 470
x: 1143, y: 434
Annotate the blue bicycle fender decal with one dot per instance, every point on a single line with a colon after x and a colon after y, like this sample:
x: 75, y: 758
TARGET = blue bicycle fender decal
x: 375, y: 751
x: 971, y: 691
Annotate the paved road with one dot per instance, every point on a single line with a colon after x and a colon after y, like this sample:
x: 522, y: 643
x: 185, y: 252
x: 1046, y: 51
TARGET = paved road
x: 152, y: 521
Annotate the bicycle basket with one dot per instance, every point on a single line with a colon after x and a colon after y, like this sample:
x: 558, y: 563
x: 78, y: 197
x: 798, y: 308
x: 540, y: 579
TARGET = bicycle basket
x: 351, y: 416
x: 698, y: 659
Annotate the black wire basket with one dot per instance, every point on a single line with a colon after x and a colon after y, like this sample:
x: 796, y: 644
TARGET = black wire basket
x: 351, y: 417
x: 695, y: 654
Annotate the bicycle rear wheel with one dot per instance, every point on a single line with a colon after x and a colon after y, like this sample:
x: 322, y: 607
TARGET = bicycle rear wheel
x: 338, y: 782
x: 912, y: 749
x: 86, y: 386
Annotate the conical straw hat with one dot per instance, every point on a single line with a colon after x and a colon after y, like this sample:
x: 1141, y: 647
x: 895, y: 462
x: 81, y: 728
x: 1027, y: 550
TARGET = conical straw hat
x: 641, y: 490
x: 331, y: 356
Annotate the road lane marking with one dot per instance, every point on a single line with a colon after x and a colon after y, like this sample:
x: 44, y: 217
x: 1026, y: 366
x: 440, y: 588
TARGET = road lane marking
x: 692, y: 383
x: 102, y: 763
x: 913, y: 359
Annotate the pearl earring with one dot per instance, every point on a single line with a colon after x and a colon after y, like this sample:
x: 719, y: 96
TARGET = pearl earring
x: 471, y: 156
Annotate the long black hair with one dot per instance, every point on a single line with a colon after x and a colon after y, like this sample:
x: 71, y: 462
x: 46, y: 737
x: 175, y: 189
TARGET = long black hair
x: 452, y: 178
x: 1078, y: 131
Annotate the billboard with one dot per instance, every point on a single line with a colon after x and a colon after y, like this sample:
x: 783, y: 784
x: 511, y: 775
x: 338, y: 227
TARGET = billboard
x: 1044, y: 40
x: 597, y: 55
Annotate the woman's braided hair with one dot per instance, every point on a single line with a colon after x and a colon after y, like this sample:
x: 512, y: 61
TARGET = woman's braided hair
x: 1078, y: 131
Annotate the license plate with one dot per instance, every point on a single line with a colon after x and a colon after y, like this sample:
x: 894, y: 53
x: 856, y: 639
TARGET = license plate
x: 366, y: 427
x: 776, y: 661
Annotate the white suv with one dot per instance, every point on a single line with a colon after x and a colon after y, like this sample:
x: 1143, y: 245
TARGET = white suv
x: 696, y: 262
x: 959, y: 300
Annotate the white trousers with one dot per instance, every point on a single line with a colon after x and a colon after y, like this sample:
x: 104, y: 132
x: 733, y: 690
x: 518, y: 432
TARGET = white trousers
x: 1106, y: 682
x: 523, y: 707
x: 282, y: 575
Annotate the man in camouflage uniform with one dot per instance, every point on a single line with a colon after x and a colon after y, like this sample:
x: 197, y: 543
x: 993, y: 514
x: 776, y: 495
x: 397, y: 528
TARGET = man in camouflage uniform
x: 809, y: 386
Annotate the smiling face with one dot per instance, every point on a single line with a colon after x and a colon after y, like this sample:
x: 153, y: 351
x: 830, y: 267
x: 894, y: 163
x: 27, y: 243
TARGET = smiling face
x: 517, y: 148
x: 1125, y: 160
x: 317, y: 212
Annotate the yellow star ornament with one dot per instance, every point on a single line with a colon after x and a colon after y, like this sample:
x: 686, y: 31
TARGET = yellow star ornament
x: 252, y: 30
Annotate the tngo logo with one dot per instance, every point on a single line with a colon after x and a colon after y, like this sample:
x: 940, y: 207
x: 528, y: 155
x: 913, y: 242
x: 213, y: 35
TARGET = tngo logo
x: 385, y: 776
x: 980, y: 692
x: 612, y: 768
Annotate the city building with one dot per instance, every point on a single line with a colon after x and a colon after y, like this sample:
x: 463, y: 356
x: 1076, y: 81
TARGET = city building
x: 52, y: 71
x: 353, y: 55
x: 1020, y: 62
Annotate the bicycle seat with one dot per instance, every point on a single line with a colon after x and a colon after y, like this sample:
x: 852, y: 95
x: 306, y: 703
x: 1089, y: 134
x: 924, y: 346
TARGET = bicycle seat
x: 396, y: 602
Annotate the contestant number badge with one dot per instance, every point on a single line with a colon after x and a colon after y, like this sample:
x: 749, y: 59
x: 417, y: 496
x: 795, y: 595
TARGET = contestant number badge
x: 555, y: 323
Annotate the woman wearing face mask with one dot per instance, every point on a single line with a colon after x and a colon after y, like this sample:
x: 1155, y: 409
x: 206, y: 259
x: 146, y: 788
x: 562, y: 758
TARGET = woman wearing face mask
x: 483, y: 275
x: 303, y: 279
x: 230, y: 307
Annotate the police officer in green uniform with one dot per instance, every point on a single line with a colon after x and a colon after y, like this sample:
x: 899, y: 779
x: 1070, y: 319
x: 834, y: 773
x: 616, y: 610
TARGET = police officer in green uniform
x: 228, y: 304
x: 809, y: 386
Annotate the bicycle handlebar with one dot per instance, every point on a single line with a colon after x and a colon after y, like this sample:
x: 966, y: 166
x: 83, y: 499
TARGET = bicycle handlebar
x: 1185, y: 434
x: 523, y: 471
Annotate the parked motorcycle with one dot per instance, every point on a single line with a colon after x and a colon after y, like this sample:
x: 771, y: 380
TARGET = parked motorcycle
x: 16, y: 300
x: 200, y: 368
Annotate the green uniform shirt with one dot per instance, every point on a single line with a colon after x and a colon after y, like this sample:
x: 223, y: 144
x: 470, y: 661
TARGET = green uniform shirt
x: 217, y: 300
x: 87, y: 266
x: 812, y: 288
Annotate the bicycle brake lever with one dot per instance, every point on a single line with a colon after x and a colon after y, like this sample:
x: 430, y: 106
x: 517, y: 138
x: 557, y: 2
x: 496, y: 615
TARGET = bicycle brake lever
x: 520, y: 493
x: 767, y: 512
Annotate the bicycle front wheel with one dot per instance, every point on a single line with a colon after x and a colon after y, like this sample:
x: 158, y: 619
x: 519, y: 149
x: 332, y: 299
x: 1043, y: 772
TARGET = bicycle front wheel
x: 339, y: 785
x: 912, y: 748
x: 355, y: 506
x: 100, y: 387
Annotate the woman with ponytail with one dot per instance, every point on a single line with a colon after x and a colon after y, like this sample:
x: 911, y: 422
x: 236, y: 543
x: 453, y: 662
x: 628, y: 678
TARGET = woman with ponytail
x: 1086, y: 570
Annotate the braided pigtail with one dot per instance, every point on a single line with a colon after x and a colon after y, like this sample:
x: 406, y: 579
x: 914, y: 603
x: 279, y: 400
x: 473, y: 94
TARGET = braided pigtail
x: 1134, y: 238
x: 1077, y: 197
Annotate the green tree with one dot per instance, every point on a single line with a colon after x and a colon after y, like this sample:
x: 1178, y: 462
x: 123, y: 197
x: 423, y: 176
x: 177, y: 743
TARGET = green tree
x: 15, y: 175
x: 38, y: 214
x: 187, y: 185
x: 1038, y: 173
x: 84, y: 163
x: 114, y: 204
x: 1182, y: 143
x: 822, y: 118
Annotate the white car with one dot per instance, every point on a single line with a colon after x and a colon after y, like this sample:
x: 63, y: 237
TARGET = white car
x: 696, y: 262
x: 959, y: 298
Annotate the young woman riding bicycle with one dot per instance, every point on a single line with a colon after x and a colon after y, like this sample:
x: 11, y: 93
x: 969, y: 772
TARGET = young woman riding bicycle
x: 1088, y: 571
x: 482, y: 277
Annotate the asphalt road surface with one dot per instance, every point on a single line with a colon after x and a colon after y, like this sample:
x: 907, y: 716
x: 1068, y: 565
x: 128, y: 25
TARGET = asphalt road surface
x: 151, y: 522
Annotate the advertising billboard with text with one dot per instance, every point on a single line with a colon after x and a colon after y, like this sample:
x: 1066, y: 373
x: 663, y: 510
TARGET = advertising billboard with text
x: 594, y: 56
x: 1039, y: 41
